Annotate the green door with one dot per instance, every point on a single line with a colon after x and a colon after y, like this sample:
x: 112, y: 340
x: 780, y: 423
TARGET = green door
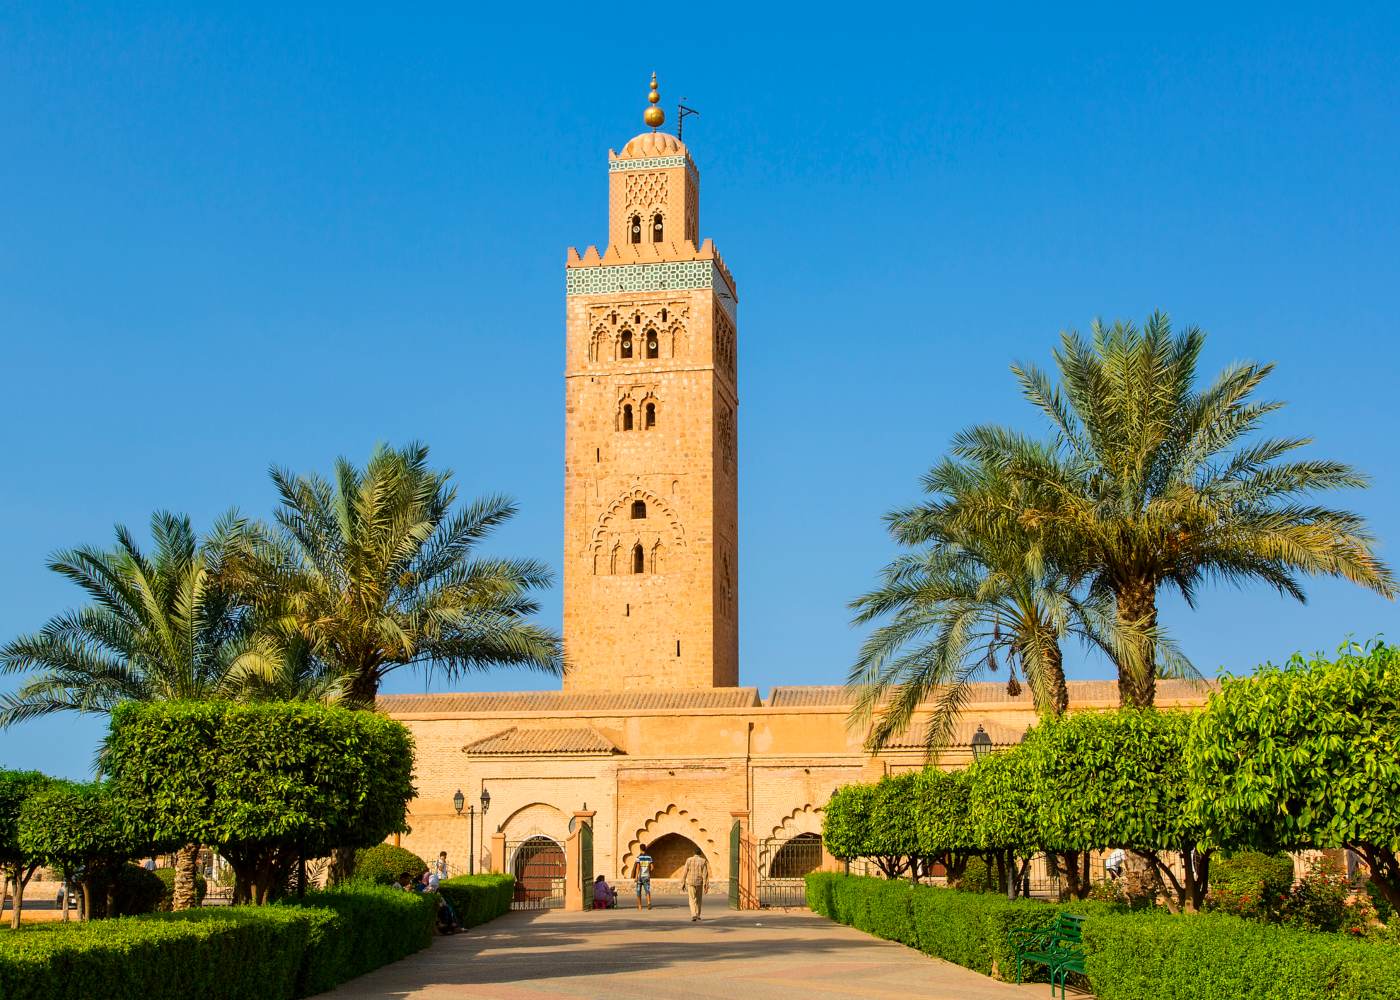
x: 734, y: 866
x: 585, y: 845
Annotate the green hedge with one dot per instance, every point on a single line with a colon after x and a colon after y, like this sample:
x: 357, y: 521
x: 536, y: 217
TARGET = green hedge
x: 478, y: 898
x: 223, y: 953
x: 966, y: 928
x: 1221, y: 957
x: 1129, y: 955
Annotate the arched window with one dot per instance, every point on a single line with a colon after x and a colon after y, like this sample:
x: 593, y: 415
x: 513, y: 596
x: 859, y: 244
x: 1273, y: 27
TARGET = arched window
x: 639, y: 509
x: 639, y: 559
x: 651, y: 416
x: 626, y: 350
x: 636, y: 229
x: 653, y: 344
x: 656, y: 228
x: 627, y: 417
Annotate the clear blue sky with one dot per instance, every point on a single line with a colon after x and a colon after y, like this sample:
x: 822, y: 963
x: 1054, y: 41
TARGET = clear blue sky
x: 231, y: 237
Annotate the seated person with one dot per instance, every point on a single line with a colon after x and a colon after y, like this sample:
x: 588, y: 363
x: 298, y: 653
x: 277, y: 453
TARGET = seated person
x: 604, y: 895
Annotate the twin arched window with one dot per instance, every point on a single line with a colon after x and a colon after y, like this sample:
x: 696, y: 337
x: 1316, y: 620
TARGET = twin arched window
x: 627, y: 417
x: 626, y: 348
x: 650, y: 420
x: 634, y: 228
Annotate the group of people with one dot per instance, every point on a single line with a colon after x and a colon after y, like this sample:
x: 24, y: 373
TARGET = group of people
x: 428, y: 882
x: 695, y: 877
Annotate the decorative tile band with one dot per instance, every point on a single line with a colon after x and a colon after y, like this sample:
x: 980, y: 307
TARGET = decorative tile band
x: 671, y: 275
x: 649, y: 163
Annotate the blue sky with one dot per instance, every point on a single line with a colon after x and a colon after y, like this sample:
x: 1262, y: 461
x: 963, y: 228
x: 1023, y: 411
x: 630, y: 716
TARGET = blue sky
x: 239, y: 236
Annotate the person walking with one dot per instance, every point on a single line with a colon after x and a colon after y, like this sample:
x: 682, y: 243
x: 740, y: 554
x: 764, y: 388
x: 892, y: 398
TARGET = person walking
x: 641, y: 871
x: 696, y: 880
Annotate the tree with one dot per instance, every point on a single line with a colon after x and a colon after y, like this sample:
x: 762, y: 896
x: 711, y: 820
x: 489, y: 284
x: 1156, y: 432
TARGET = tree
x: 1118, y: 779
x: 1000, y: 818
x: 375, y: 571
x: 159, y: 628
x: 18, y: 865
x: 846, y: 822
x: 970, y: 592
x: 1152, y: 483
x: 269, y: 785
x: 79, y: 829
x: 941, y: 815
x: 1307, y: 756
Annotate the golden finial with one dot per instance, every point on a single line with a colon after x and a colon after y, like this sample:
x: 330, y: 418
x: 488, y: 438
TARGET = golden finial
x: 653, y: 115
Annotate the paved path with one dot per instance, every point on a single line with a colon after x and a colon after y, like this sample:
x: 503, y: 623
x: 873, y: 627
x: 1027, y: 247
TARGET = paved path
x: 660, y: 955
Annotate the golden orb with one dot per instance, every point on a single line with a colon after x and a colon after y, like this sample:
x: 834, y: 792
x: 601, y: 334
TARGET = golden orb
x: 653, y: 115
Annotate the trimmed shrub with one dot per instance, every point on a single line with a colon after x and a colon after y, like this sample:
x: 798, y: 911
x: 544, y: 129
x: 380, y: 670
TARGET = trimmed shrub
x: 167, y: 881
x: 136, y: 891
x: 478, y: 898
x: 1211, y: 956
x: 373, y: 926
x: 385, y: 864
x: 1214, y: 956
x: 223, y: 953
x: 978, y: 876
x: 1250, y: 883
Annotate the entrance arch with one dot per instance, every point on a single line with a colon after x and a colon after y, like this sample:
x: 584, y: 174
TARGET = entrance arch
x: 669, y: 854
x: 538, y: 867
x: 797, y: 858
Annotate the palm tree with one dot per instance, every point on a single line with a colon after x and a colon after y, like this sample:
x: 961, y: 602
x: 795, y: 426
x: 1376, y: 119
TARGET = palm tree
x: 375, y: 571
x: 1151, y: 483
x: 159, y: 628
x: 967, y: 595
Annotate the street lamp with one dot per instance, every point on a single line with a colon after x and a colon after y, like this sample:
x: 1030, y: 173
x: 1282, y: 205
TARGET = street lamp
x: 981, y: 743
x: 459, y: 802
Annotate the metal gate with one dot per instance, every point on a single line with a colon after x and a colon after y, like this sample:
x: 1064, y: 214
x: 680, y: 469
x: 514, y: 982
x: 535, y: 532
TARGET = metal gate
x: 783, y: 866
x: 538, y: 866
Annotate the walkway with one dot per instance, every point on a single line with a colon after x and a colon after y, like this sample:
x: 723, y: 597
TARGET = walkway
x: 660, y: 955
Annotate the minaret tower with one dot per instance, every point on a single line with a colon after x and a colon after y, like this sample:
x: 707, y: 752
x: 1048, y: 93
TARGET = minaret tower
x: 650, y: 454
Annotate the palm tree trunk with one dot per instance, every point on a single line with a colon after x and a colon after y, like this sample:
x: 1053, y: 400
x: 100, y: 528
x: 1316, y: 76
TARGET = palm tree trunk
x: 1137, y: 613
x: 183, y: 894
x: 1055, y: 669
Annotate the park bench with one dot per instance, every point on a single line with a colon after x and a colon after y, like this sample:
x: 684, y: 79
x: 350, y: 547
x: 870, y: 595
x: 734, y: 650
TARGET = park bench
x: 1057, y: 946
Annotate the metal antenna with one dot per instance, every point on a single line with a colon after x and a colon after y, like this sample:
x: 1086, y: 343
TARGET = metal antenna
x: 681, y: 112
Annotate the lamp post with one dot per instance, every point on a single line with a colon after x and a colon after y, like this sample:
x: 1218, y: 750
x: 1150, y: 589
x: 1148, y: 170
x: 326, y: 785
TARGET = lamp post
x: 485, y: 805
x: 458, y: 801
x: 981, y: 743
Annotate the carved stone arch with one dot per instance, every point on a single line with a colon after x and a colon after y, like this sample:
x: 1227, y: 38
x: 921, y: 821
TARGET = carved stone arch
x: 805, y: 820
x: 597, y: 342
x: 672, y: 819
x: 648, y: 399
x: 625, y: 400
x: 649, y: 333
x: 537, y: 819
x: 676, y: 338
x: 619, y: 513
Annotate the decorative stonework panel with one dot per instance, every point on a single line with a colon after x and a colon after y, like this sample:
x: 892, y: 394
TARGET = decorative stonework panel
x: 728, y: 446
x: 724, y: 345
x: 681, y: 275
x: 649, y: 163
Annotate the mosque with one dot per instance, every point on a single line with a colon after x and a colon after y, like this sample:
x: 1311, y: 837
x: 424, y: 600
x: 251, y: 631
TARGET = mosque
x: 653, y: 739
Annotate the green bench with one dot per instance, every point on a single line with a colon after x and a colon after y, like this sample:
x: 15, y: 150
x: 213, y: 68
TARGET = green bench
x: 1057, y: 946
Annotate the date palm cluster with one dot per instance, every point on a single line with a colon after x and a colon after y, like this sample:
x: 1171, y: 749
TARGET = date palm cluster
x: 1145, y: 483
x: 370, y: 571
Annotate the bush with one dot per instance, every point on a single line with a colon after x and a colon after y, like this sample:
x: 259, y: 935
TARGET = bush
x: 136, y: 891
x: 478, y: 898
x: 385, y: 864
x: 1321, y: 900
x: 372, y: 927
x: 967, y: 929
x: 1215, y: 956
x: 1211, y: 956
x: 978, y: 876
x: 224, y: 953
x: 167, y: 881
x: 1250, y: 884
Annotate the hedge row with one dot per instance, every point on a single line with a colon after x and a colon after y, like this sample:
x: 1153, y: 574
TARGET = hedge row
x: 1129, y: 955
x: 478, y: 898
x: 225, y: 953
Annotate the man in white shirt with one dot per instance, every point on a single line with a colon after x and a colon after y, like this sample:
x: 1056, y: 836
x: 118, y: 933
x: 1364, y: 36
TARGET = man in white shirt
x: 696, y: 879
